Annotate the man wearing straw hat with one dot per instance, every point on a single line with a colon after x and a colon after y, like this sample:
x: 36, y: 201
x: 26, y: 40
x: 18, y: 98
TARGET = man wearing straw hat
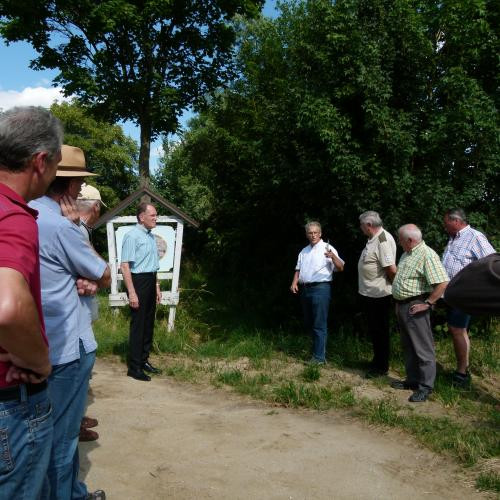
x: 69, y: 266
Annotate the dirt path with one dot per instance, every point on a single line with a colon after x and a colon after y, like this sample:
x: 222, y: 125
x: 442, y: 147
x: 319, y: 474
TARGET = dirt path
x: 164, y: 439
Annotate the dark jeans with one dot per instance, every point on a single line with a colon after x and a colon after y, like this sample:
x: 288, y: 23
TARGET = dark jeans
x: 315, y: 302
x: 376, y: 311
x: 142, y: 320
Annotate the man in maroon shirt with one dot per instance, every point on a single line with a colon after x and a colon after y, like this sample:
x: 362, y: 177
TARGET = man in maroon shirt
x: 30, y: 149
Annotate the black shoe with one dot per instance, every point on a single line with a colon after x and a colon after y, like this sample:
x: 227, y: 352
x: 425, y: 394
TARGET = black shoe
x: 405, y: 385
x: 148, y: 367
x: 419, y: 396
x: 138, y: 375
x: 96, y: 495
x: 375, y: 373
x: 461, y: 380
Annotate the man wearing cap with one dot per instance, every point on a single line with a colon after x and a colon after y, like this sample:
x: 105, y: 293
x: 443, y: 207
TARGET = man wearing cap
x: 139, y: 264
x: 88, y: 205
x: 68, y: 266
x: 30, y: 143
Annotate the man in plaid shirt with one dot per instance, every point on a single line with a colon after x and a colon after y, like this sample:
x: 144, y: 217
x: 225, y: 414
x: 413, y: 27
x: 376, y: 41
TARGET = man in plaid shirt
x: 419, y: 282
x: 465, y: 245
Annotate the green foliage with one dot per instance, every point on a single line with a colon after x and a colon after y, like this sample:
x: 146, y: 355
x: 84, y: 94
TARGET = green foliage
x: 142, y: 61
x: 311, y: 372
x: 108, y: 151
x: 342, y: 107
x: 488, y: 481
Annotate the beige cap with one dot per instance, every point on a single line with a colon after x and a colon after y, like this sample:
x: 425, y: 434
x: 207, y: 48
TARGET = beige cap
x: 72, y: 163
x: 89, y: 192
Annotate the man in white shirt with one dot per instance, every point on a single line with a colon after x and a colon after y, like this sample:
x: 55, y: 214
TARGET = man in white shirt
x: 313, y: 275
x: 376, y: 270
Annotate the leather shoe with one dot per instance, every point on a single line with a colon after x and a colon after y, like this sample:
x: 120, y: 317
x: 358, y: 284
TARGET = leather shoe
x: 404, y: 384
x: 419, y: 396
x: 89, y: 422
x: 87, y: 435
x: 139, y: 375
x: 148, y: 367
x: 96, y: 495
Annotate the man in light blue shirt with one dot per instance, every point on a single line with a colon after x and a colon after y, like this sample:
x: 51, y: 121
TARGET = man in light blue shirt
x: 66, y: 257
x: 139, y: 264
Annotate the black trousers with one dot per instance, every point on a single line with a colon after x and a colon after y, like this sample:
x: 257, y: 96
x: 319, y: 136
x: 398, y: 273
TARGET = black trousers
x: 376, y: 311
x: 142, y: 321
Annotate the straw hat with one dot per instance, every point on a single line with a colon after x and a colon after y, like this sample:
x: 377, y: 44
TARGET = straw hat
x: 91, y: 193
x: 72, y: 163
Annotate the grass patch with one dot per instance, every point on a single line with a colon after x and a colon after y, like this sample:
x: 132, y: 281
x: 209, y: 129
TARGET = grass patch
x: 311, y: 372
x: 488, y: 481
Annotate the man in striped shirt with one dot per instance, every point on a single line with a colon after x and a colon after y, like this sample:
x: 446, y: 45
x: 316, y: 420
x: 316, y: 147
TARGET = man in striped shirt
x: 465, y: 245
x: 419, y: 282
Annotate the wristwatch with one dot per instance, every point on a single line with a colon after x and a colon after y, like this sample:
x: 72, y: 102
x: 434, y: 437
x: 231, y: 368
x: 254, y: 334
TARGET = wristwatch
x: 429, y: 303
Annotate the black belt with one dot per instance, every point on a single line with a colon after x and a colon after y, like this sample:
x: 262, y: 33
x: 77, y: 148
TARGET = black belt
x: 422, y: 296
x: 314, y: 283
x: 14, y: 392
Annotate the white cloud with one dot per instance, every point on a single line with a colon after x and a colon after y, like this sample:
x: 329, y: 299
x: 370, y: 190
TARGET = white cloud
x: 31, y: 96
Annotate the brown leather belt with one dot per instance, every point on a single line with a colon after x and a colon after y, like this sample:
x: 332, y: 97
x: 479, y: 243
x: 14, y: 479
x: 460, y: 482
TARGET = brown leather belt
x: 422, y: 296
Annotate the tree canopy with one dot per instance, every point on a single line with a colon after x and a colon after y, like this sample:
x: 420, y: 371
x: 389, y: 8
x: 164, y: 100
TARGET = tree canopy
x: 342, y: 107
x: 143, y: 61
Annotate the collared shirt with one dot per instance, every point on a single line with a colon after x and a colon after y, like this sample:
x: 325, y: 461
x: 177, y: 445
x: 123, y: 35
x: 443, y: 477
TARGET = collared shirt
x: 89, y: 302
x: 465, y: 247
x: 312, y: 264
x: 379, y: 252
x: 418, y: 270
x: 140, y: 251
x: 65, y: 255
x: 19, y: 251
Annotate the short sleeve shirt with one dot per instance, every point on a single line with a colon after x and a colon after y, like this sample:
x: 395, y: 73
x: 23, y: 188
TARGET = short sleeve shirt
x: 418, y: 270
x: 65, y: 256
x: 312, y: 264
x: 467, y: 246
x: 379, y: 252
x: 140, y: 251
x: 19, y: 251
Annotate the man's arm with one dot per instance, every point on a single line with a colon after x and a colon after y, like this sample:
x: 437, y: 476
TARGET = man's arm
x: 339, y: 263
x: 294, y: 287
x: 127, y: 279
x: 20, y: 332
x: 435, y: 295
x: 390, y: 272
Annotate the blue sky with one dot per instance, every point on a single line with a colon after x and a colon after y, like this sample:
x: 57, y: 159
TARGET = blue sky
x: 20, y: 85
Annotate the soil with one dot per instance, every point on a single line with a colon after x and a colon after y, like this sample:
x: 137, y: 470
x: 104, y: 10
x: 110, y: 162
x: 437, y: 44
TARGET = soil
x: 164, y: 439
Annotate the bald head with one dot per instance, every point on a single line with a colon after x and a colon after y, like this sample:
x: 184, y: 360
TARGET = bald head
x: 409, y: 236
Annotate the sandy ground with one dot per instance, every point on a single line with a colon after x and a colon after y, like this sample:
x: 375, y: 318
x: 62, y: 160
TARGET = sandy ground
x: 163, y: 439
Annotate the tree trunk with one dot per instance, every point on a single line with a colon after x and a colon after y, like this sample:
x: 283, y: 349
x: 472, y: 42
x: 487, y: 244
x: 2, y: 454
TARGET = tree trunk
x: 144, y: 154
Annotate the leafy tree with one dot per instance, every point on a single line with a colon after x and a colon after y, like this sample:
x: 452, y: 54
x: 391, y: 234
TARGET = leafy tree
x: 108, y: 151
x: 342, y: 107
x: 143, y: 61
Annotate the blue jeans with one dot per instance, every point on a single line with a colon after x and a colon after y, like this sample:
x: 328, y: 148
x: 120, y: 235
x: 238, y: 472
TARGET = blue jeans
x: 315, y: 302
x: 68, y: 387
x: 25, y: 441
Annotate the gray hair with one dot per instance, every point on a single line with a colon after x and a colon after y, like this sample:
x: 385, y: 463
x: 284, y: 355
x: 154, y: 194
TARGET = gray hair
x: 86, y: 205
x: 25, y: 131
x: 312, y: 223
x: 371, y: 217
x: 410, y: 231
x: 456, y: 214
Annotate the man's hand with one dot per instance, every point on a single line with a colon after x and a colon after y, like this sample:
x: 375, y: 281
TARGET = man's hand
x: 69, y: 209
x: 294, y: 287
x: 418, y: 308
x: 158, y: 294
x: 133, y: 300
x: 19, y: 373
x: 86, y: 287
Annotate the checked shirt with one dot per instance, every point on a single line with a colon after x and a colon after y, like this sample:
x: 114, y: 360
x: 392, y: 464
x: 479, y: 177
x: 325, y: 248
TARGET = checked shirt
x: 465, y: 247
x: 418, y: 270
